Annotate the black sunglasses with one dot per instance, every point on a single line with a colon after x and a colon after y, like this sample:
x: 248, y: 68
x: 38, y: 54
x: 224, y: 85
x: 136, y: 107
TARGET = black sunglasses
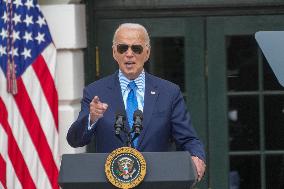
x: 122, y: 48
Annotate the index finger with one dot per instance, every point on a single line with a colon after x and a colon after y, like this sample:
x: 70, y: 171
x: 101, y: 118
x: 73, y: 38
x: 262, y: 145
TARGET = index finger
x: 96, y: 99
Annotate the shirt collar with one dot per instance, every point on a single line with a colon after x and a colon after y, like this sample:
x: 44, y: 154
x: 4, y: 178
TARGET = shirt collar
x: 139, y: 81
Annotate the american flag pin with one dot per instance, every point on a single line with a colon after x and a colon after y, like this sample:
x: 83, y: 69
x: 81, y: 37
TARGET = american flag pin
x: 153, y: 92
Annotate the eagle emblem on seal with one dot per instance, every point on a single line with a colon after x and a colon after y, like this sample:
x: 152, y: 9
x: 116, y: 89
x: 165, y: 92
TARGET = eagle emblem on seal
x: 125, y: 167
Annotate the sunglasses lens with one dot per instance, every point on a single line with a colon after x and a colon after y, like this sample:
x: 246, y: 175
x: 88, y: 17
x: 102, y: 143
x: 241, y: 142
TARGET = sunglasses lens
x: 122, y: 48
x: 138, y: 49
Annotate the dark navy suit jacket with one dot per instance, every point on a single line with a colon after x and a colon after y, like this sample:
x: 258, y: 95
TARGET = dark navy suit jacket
x: 165, y: 117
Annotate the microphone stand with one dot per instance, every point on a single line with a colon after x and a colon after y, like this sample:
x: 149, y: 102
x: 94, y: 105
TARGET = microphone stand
x: 136, y: 128
x: 129, y: 140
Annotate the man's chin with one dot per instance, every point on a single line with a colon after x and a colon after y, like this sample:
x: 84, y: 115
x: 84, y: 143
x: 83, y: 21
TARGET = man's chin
x: 131, y: 75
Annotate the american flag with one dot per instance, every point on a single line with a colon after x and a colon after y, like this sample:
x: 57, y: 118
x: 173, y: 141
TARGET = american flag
x: 29, y: 156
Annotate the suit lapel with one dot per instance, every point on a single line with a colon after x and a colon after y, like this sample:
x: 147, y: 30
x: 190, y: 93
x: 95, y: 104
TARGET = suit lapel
x: 115, y: 95
x: 150, y: 98
x: 115, y: 98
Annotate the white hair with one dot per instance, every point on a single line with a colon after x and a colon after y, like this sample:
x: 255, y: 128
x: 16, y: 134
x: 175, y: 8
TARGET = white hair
x: 134, y: 26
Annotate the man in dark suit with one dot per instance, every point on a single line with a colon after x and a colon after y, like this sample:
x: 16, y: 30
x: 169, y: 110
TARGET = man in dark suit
x: 165, y: 116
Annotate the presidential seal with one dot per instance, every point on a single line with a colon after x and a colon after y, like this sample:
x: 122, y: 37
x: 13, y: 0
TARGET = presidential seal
x: 125, y: 167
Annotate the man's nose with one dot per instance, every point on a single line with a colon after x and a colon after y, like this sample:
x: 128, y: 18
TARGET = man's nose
x: 129, y: 52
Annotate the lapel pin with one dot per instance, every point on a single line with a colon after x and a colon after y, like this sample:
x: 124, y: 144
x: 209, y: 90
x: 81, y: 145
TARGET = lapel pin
x: 153, y: 92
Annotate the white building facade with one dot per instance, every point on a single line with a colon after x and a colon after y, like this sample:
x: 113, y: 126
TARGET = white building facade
x: 67, y: 24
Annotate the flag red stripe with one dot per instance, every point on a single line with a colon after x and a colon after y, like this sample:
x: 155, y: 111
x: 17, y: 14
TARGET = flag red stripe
x: 36, y: 133
x: 15, y: 155
x: 48, y: 86
x: 3, y: 172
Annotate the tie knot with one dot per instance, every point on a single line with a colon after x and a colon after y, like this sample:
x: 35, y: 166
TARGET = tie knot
x: 132, y: 85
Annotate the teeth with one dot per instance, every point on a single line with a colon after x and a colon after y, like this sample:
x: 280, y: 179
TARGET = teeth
x: 129, y: 64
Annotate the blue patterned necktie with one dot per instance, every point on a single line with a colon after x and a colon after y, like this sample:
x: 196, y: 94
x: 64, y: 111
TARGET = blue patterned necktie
x: 132, y: 105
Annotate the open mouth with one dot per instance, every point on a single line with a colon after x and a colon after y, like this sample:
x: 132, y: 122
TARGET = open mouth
x: 129, y: 64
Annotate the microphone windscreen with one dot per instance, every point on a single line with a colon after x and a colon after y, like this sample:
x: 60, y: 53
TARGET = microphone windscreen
x: 120, y: 114
x: 138, y: 113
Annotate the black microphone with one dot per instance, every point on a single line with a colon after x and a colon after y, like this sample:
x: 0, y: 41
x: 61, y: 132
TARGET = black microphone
x: 137, y: 124
x: 119, y: 123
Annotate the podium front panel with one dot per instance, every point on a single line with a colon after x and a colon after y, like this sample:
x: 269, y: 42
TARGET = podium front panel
x: 165, y: 170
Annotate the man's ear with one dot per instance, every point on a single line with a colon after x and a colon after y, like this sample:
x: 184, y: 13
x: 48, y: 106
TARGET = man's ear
x: 148, y: 50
